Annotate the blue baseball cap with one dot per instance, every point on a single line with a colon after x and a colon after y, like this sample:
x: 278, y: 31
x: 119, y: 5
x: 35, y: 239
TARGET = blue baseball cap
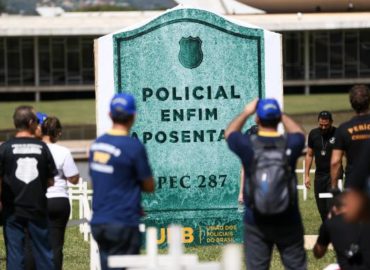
x: 41, y: 117
x: 123, y: 103
x: 268, y: 109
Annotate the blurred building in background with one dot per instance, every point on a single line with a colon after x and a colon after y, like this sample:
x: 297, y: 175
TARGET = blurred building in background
x: 326, y: 43
x: 309, y: 6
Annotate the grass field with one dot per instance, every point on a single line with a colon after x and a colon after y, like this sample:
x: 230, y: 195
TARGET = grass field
x: 83, y: 111
x: 71, y: 112
x: 298, y: 104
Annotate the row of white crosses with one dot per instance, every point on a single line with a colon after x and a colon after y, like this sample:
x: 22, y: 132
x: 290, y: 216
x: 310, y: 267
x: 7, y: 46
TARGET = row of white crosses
x: 175, y: 259
x: 83, y: 195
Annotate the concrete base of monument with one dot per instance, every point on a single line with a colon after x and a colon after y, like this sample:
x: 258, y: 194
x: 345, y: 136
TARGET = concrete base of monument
x: 200, y: 228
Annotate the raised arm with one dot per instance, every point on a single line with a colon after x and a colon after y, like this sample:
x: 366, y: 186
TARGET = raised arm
x: 290, y: 125
x: 308, y: 163
x: 241, y: 193
x: 238, y: 122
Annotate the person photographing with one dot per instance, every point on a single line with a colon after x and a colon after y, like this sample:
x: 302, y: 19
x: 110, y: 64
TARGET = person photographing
x: 271, y: 215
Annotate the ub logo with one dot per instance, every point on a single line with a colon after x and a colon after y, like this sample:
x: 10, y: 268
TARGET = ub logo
x: 190, y: 54
x: 26, y: 169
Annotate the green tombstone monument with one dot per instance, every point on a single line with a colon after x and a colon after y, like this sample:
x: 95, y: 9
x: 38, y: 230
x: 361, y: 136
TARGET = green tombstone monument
x: 191, y: 72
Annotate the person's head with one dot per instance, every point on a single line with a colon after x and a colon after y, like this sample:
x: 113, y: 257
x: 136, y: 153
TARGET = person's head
x: 359, y: 97
x: 325, y: 121
x: 356, y: 206
x: 123, y: 109
x: 268, y: 113
x: 24, y: 119
x: 52, y: 128
x: 40, y: 120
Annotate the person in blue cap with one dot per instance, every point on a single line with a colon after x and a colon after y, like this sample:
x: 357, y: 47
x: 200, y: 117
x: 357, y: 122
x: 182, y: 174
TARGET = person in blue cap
x: 120, y: 171
x: 271, y: 214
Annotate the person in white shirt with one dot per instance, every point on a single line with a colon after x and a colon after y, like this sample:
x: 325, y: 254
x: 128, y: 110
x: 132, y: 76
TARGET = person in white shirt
x: 58, y: 203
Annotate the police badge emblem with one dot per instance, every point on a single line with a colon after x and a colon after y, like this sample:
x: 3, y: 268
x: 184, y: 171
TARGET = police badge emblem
x: 190, y: 54
x: 26, y: 169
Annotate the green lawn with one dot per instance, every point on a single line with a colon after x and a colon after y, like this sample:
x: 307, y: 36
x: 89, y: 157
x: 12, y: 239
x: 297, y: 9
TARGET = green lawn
x: 78, y: 112
x: 299, y: 104
x: 73, y: 112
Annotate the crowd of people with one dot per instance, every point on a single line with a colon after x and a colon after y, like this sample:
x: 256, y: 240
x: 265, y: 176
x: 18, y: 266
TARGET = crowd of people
x: 34, y: 171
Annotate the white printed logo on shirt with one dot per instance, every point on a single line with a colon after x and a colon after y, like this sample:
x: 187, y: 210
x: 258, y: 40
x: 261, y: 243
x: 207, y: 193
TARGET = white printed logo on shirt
x: 26, y: 169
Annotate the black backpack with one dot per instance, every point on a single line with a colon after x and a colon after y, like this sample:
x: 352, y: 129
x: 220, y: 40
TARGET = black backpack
x: 272, y: 183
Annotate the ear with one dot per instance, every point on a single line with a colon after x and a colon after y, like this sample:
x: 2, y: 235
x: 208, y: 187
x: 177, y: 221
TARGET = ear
x: 257, y: 120
x: 335, y: 210
x: 132, y: 121
x: 31, y: 122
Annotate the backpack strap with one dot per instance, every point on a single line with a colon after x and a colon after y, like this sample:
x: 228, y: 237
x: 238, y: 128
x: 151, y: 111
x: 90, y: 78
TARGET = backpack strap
x: 281, y: 142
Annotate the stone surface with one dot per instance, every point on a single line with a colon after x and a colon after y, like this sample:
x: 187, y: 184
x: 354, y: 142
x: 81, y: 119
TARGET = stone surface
x: 191, y: 72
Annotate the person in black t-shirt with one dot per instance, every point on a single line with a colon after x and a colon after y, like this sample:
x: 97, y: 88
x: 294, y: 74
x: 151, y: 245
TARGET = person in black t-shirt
x: 360, y: 179
x: 26, y: 170
x: 360, y: 183
x: 352, y: 135
x: 320, y: 145
x: 351, y: 241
